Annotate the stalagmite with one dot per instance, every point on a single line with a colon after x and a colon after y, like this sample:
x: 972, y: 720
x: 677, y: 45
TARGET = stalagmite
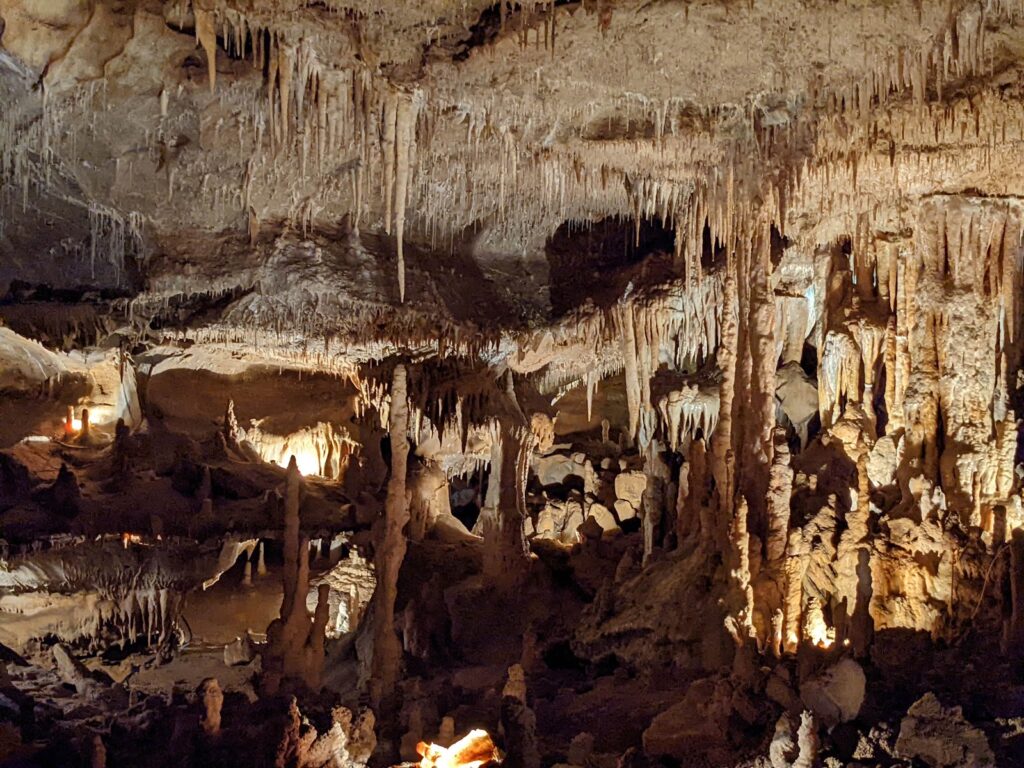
x: 84, y: 432
x: 429, y: 500
x: 387, y: 649
x: 261, y: 565
x: 741, y: 599
x: 504, y: 511
x: 98, y: 758
x: 629, y: 356
x: 213, y: 699
x: 807, y: 740
x: 295, y: 641
x: 1013, y: 623
x: 795, y: 569
x: 780, y: 490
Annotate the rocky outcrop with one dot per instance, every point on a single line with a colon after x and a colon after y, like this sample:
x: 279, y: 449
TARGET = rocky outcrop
x: 941, y: 737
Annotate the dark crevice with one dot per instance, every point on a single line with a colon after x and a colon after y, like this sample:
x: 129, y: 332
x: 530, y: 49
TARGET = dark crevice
x: 225, y: 46
x: 600, y: 260
x: 488, y: 27
x: 184, y: 312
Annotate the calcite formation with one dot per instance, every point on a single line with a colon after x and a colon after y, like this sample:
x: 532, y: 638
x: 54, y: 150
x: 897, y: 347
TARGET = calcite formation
x: 611, y: 381
x: 295, y: 640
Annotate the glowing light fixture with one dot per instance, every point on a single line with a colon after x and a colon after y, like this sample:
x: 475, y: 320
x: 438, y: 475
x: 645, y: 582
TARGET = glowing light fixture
x: 473, y: 750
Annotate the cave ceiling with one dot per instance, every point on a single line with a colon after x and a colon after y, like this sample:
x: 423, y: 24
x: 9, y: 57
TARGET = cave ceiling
x: 339, y: 180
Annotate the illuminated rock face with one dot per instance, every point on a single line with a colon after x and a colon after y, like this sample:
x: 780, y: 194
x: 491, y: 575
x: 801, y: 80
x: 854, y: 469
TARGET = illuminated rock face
x: 673, y: 342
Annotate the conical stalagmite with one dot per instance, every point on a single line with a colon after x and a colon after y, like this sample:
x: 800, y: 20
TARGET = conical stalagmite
x: 295, y: 640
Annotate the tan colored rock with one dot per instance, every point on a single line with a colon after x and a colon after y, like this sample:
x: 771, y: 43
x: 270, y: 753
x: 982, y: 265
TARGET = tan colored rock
x: 515, y: 683
x: 241, y: 651
x: 387, y: 648
x: 624, y: 510
x: 697, y: 725
x: 212, y: 697
x: 295, y: 640
x: 837, y: 694
x: 600, y: 514
x: 940, y: 737
x: 629, y: 487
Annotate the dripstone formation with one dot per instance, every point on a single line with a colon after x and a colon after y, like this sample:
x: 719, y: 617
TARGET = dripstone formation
x: 595, y: 383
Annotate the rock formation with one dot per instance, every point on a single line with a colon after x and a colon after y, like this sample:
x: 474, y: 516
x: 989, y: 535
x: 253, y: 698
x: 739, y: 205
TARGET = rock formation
x: 295, y: 640
x: 660, y: 359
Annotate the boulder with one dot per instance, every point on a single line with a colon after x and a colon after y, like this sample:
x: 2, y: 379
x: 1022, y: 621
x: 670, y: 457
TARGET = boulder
x: 604, y: 518
x: 242, y: 651
x: 836, y: 695
x: 553, y: 469
x: 624, y: 510
x: 630, y: 487
x: 73, y: 672
x: 696, y: 726
x: 941, y: 737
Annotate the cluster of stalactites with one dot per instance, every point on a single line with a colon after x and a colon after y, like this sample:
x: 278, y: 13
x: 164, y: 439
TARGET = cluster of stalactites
x: 939, y: 320
x: 346, y: 121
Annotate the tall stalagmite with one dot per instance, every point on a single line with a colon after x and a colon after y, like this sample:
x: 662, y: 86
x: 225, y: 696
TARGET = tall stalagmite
x: 387, y: 649
x: 295, y: 640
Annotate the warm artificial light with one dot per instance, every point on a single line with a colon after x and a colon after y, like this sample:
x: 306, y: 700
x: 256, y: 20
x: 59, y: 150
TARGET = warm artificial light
x: 308, y: 463
x: 473, y: 750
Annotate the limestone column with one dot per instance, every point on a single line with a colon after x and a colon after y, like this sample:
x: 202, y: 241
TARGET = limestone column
x: 780, y: 491
x: 795, y: 568
x: 387, y: 650
x: 1013, y: 624
x: 631, y: 369
x: 505, y: 505
x: 295, y: 643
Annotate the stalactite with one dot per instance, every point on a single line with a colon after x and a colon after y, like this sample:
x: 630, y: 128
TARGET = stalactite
x: 285, y: 71
x: 388, y: 149
x: 405, y: 134
x: 206, y: 34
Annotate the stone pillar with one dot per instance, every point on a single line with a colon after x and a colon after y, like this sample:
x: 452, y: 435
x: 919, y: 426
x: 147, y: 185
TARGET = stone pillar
x: 795, y: 567
x: 1013, y: 624
x: 295, y: 645
x: 780, y: 490
x: 387, y: 650
x: 505, y: 506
